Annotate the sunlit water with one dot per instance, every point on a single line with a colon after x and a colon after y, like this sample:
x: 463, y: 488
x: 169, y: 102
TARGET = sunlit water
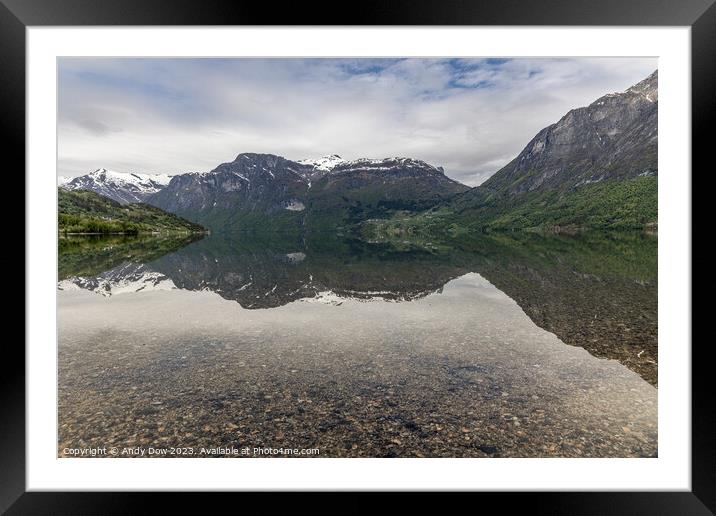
x: 354, y: 351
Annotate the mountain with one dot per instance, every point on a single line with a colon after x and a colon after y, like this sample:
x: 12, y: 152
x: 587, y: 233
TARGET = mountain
x: 265, y: 191
x: 594, y: 168
x: 83, y: 211
x: 123, y: 188
x: 615, y: 137
x: 253, y: 189
x: 353, y: 191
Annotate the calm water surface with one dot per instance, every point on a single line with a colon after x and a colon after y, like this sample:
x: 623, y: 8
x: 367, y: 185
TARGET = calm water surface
x: 501, y: 346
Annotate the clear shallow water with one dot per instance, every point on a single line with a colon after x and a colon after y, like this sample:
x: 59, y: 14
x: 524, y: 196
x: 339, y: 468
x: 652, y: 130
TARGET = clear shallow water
x: 357, y: 350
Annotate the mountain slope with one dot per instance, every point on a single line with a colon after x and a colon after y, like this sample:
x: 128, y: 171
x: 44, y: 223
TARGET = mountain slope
x: 123, y: 188
x: 615, y: 137
x: 596, y: 167
x: 254, y: 188
x: 268, y: 192
x: 84, y: 211
x: 358, y: 190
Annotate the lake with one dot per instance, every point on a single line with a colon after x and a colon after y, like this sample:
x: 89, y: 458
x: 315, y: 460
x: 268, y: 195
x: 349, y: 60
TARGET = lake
x: 507, y: 345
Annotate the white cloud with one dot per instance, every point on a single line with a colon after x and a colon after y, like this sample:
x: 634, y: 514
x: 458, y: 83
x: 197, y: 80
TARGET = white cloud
x: 469, y: 116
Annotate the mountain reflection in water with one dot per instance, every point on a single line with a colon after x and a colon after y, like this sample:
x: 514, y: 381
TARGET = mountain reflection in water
x: 454, y: 344
x: 277, y: 273
x: 595, y: 291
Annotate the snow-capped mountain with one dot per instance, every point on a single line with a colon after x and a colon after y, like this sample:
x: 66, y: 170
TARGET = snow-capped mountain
x: 273, y: 192
x: 62, y: 180
x: 122, y: 187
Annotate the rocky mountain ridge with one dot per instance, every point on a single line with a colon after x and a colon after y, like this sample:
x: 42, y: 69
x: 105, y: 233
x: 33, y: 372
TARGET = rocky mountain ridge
x: 265, y: 187
x: 614, y: 137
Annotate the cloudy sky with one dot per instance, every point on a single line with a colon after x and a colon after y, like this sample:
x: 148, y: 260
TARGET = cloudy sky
x: 470, y: 116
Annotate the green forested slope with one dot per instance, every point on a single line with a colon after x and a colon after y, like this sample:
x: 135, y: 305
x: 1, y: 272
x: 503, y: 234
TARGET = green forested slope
x: 82, y: 211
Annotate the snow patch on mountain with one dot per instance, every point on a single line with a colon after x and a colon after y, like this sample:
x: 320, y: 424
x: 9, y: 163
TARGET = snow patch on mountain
x: 385, y: 165
x: 295, y: 205
x: 324, y: 163
x: 335, y: 164
x: 122, y: 187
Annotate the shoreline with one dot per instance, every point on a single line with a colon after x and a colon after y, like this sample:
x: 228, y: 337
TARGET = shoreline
x: 124, y: 233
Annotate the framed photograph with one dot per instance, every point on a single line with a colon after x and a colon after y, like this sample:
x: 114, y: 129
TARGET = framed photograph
x: 430, y: 248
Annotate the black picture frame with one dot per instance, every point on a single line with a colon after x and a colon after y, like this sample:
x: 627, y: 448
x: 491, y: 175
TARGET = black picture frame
x: 17, y: 15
